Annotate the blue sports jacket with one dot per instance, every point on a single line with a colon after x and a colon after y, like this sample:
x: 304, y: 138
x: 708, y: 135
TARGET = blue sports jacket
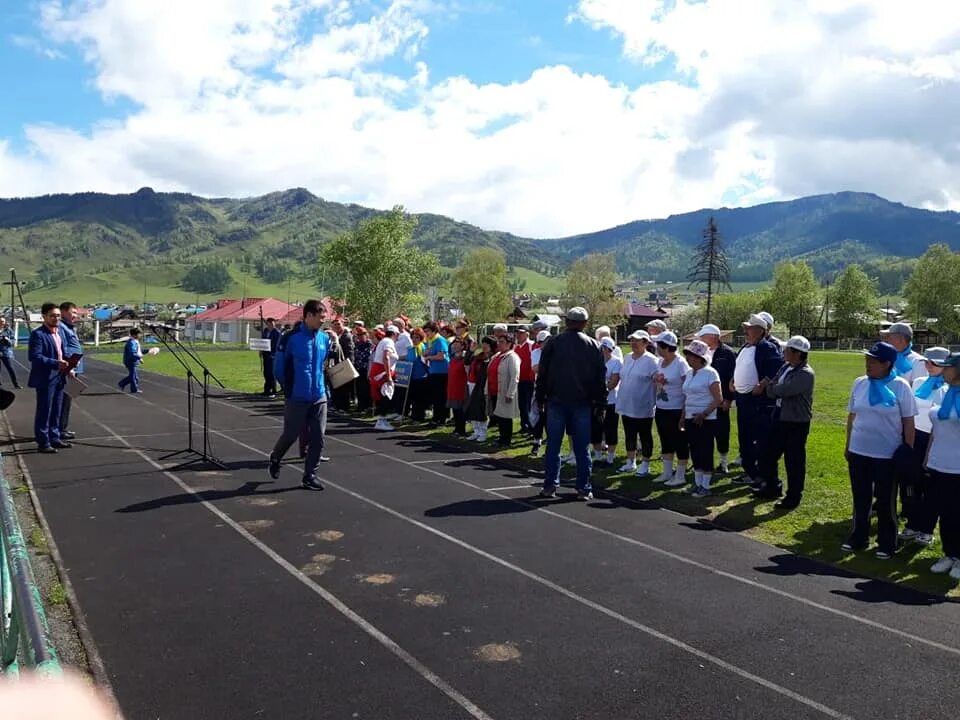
x: 72, y: 346
x: 299, y: 364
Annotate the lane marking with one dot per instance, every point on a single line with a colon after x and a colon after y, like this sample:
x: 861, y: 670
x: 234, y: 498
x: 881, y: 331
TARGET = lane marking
x: 422, y: 670
x: 607, y: 533
x: 528, y: 486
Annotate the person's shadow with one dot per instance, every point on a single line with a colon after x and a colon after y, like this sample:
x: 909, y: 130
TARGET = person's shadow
x: 187, y: 498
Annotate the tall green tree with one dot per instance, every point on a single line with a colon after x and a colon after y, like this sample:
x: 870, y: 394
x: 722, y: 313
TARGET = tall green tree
x: 710, y: 265
x: 208, y: 277
x: 933, y: 288
x: 591, y: 284
x: 377, y: 269
x: 480, y: 286
x: 853, y: 297
x: 732, y: 309
x: 795, y: 295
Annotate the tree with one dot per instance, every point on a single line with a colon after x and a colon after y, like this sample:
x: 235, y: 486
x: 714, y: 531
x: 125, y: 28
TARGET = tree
x: 480, y: 285
x: 377, y: 269
x: 854, y: 300
x: 732, y: 309
x: 933, y: 288
x: 795, y: 295
x: 710, y: 265
x: 209, y: 277
x: 591, y: 283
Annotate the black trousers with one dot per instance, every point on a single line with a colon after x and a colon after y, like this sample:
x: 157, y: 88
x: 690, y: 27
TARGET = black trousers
x: 65, y: 413
x: 700, y: 438
x: 946, y: 490
x: 789, y: 441
x: 605, y: 430
x: 917, y: 499
x: 638, y: 428
x: 504, y: 427
x: 269, y: 381
x: 754, y: 420
x: 438, y: 396
x: 459, y: 421
x: 419, y: 398
x: 872, y: 478
x: 8, y: 364
x: 342, y: 396
x: 525, y: 397
x: 673, y: 441
x: 723, y: 431
x: 364, y: 401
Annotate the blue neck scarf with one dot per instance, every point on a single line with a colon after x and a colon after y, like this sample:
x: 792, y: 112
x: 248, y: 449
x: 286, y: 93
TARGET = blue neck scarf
x: 951, y: 404
x: 929, y: 387
x: 880, y: 392
x: 903, y: 364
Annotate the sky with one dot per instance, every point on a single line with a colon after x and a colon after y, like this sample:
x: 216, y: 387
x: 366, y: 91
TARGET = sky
x: 540, y: 117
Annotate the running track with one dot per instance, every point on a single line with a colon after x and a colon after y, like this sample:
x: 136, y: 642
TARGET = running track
x: 426, y: 583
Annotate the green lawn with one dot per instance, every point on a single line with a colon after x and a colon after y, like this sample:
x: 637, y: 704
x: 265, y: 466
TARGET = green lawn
x: 816, y: 529
x: 537, y: 283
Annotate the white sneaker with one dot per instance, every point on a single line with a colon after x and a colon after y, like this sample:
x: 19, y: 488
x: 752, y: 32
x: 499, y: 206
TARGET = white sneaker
x: 473, y: 436
x: 663, y: 477
x: 643, y: 469
x: 628, y: 466
x: 908, y: 534
x: 943, y: 565
x: 955, y: 573
x: 383, y: 425
x: 925, y: 539
x: 677, y: 480
x: 680, y: 474
x: 570, y: 459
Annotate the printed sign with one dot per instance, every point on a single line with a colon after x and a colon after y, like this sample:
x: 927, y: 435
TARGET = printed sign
x: 404, y: 371
x: 263, y: 345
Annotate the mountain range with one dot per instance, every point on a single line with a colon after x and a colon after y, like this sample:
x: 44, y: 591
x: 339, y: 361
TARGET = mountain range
x: 88, y: 244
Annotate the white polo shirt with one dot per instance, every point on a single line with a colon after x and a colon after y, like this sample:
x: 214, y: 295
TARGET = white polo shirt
x: 614, y: 366
x: 674, y: 373
x: 696, y: 392
x: 919, y: 370
x: 877, y: 429
x: 637, y: 395
x: 745, y: 375
x: 944, y: 455
x: 924, y: 405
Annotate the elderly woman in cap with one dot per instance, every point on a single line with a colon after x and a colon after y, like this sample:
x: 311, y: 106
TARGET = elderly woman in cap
x: 910, y: 364
x: 603, y: 430
x: 880, y: 425
x: 943, y: 463
x: 701, y: 398
x: 637, y: 402
x: 669, y: 382
x: 362, y: 349
x: 792, y: 390
x: 503, y: 378
x: 604, y: 332
x: 382, y: 371
x: 919, y: 505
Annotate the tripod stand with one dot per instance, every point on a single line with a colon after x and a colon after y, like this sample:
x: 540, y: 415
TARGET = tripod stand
x: 205, y: 455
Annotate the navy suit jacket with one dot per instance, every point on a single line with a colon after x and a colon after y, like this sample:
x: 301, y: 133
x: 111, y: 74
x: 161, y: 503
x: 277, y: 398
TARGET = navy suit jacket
x: 42, y: 353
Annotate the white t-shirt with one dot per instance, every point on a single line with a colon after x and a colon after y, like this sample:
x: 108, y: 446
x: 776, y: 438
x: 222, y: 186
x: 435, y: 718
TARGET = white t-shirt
x: 944, y: 441
x: 673, y: 389
x: 614, y: 366
x: 696, y: 391
x: 745, y: 376
x: 877, y: 429
x: 924, y: 405
x: 919, y: 367
x: 385, y: 346
x: 636, y: 394
x: 404, y: 342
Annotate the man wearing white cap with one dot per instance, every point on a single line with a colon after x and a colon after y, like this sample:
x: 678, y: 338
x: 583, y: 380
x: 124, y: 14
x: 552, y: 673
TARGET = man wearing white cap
x: 768, y: 318
x: 757, y: 364
x: 723, y: 360
x: 910, y: 364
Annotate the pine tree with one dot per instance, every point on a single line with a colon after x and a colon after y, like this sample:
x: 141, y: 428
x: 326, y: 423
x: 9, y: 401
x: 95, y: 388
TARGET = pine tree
x: 710, y: 264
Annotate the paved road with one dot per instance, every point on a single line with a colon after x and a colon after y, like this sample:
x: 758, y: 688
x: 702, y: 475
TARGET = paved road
x: 425, y: 583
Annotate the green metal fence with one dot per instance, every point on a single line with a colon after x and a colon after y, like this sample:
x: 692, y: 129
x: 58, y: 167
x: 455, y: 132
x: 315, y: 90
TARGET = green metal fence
x: 24, y: 635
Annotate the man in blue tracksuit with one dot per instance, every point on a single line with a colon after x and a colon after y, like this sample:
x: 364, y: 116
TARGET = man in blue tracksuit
x: 47, y: 366
x: 299, y: 367
x: 68, y: 315
x: 132, y: 357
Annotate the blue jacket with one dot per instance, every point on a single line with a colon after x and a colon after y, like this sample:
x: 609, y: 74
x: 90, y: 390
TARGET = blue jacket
x: 72, y: 346
x: 6, y: 342
x: 768, y: 360
x: 132, y: 353
x: 299, y: 365
x: 419, y: 371
x: 42, y: 353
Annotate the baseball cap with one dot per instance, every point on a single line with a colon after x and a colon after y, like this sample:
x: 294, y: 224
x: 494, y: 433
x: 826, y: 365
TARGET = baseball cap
x: 499, y: 326
x: 767, y: 318
x: 391, y: 328
x: 538, y: 325
x: 709, y: 329
x: 756, y: 321
x: 951, y: 361
x: 658, y: 324
x: 523, y: 329
x: 799, y: 342
x: 698, y: 348
x: 936, y: 354
x: 899, y: 329
x: 578, y: 314
x: 543, y: 335
x: 608, y: 343
x: 667, y: 338
x: 640, y: 335
x: 884, y: 352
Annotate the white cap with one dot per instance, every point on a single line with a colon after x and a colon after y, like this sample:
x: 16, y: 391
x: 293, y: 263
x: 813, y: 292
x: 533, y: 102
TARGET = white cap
x: 659, y: 324
x: 391, y: 328
x: 640, y: 335
x: 667, y: 338
x: 601, y: 332
x: 698, y: 348
x: 756, y: 321
x: 767, y: 318
x: 799, y: 342
x: 709, y: 329
x: 499, y: 326
x: 543, y: 335
x: 608, y: 343
x: 578, y: 314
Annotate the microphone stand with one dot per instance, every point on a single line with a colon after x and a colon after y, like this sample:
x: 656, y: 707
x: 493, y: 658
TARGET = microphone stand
x: 178, y: 350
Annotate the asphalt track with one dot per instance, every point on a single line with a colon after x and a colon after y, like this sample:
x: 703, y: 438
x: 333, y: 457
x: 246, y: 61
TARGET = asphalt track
x: 426, y: 583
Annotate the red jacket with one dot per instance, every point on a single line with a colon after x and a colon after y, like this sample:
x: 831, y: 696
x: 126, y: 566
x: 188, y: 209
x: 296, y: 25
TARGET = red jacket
x: 526, y: 367
x: 457, y: 380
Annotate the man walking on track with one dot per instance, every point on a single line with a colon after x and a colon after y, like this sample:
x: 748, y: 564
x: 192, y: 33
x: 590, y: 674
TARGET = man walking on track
x: 571, y: 385
x: 300, y: 370
x: 47, y: 367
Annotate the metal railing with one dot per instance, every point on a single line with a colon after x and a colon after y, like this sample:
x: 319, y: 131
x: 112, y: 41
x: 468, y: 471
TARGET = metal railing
x: 24, y: 635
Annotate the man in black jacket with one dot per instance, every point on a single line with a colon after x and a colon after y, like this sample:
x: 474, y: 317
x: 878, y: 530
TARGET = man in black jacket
x: 571, y: 386
x: 724, y: 360
x: 343, y: 396
x: 271, y: 333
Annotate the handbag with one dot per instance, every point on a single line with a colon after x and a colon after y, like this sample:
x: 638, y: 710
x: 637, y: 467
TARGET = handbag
x: 342, y: 373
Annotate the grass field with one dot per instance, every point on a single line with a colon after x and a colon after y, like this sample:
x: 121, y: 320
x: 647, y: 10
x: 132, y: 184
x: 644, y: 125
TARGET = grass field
x: 816, y: 529
x: 537, y: 283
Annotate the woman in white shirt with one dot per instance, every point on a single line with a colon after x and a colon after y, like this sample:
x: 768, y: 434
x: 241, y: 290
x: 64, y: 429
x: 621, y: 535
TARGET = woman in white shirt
x: 604, y: 430
x: 637, y: 402
x: 879, y: 425
x: 702, y: 396
x: 943, y: 463
x: 918, y: 503
x: 669, y: 382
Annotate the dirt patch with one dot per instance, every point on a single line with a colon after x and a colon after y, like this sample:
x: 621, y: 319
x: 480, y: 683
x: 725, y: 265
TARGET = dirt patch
x: 326, y: 535
x: 318, y: 565
x: 429, y: 600
x: 263, y: 502
x: 256, y: 526
x: 497, y: 652
x: 378, y: 579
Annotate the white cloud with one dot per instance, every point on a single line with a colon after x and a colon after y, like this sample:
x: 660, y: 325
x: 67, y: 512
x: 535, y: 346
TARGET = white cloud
x: 773, y: 98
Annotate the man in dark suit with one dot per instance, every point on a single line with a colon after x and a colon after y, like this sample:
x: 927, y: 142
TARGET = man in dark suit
x: 48, y: 378
x: 271, y: 333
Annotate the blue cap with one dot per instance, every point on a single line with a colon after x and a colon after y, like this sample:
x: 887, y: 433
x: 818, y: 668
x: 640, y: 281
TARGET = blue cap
x: 952, y: 361
x: 884, y: 352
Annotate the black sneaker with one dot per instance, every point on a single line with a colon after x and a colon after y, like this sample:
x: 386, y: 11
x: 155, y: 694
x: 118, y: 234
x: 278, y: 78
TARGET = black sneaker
x: 61, y: 445
x: 68, y: 434
x: 274, y: 468
x: 47, y: 450
x: 584, y: 496
x: 743, y: 480
x: 312, y: 484
x: 547, y: 494
x: 324, y: 458
x: 787, y: 504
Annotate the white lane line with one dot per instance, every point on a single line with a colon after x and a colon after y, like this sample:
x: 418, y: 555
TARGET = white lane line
x: 510, y: 487
x: 338, y: 605
x: 632, y: 541
x: 613, y: 614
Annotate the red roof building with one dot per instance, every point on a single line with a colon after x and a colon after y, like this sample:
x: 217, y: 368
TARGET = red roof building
x: 235, y: 321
